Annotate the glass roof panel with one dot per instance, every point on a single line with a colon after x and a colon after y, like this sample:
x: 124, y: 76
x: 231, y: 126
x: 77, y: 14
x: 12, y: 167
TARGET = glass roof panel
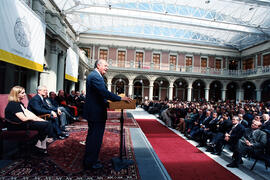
x: 229, y: 23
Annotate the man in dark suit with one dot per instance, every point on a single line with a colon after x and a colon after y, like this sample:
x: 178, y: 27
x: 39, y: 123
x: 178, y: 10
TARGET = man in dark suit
x: 95, y: 111
x: 253, y: 141
x: 38, y: 106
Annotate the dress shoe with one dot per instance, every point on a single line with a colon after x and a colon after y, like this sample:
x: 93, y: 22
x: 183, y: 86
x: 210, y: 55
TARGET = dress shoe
x: 39, y: 151
x: 95, y: 166
x: 64, y: 134
x: 232, y: 165
x: 200, y: 145
x: 216, y: 153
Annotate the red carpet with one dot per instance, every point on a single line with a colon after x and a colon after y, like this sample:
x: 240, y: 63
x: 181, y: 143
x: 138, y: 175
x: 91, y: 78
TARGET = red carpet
x: 181, y: 159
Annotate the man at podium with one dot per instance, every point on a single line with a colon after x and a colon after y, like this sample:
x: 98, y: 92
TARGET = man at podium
x: 95, y: 111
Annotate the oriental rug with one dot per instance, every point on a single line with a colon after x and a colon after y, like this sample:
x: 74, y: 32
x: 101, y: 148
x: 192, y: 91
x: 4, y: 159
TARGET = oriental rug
x: 66, y: 156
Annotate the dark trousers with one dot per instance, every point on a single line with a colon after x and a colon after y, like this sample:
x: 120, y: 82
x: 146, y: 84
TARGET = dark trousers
x: 44, y: 128
x: 93, y: 142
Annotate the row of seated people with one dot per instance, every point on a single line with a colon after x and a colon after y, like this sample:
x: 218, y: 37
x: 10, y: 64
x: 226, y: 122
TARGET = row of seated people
x: 40, y: 104
x: 73, y: 102
x: 245, y: 127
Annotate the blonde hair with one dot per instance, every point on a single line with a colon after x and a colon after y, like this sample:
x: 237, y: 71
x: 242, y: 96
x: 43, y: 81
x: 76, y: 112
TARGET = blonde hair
x: 13, y: 95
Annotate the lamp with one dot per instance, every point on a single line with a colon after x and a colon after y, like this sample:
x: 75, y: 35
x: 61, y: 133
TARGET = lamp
x: 180, y: 83
x: 161, y: 82
x: 199, y: 83
x: 45, y: 67
x: 141, y: 81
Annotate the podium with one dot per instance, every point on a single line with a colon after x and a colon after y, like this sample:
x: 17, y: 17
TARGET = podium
x: 120, y: 162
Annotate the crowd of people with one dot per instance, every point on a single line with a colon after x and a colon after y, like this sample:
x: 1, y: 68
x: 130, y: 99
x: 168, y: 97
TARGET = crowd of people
x: 59, y: 110
x: 243, y: 126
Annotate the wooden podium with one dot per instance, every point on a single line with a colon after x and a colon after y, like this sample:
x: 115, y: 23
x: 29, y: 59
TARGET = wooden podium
x: 119, y: 162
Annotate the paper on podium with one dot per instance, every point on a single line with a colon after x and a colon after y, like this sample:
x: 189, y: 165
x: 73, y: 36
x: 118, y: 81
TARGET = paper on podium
x: 122, y: 104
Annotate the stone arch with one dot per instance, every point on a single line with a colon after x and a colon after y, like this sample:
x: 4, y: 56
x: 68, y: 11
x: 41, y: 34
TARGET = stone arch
x: 160, y: 89
x: 231, y: 90
x: 265, y: 87
x: 180, y: 89
x: 249, y: 90
x: 141, y: 88
x: 120, y: 84
x: 215, y: 90
x: 198, y: 90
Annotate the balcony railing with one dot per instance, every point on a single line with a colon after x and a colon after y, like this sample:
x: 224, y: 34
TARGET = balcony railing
x: 149, y: 66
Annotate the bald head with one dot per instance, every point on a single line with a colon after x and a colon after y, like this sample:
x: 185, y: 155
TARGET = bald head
x: 102, y: 66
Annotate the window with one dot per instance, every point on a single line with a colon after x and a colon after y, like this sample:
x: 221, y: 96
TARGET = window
x: 103, y: 54
x: 203, y: 62
x: 121, y: 58
x: 248, y: 64
x: 139, y: 59
x: 218, y: 64
x: 156, y: 61
x: 188, y: 61
x: 173, y: 61
x: 266, y: 60
x: 87, y: 52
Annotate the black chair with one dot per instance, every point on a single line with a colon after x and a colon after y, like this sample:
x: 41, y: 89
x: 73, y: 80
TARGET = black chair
x: 25, y: 138
x: 265, y: 157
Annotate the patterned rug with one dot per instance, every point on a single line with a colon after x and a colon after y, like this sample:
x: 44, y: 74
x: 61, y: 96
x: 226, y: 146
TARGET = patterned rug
x: 66, y: 157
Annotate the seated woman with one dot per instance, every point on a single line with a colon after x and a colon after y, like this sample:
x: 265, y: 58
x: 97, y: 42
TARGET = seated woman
x: 16, y: 112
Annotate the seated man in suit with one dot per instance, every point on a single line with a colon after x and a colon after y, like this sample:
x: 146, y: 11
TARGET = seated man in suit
x: 52, y: 103
x: 253, y: 140
x: 39, y: 107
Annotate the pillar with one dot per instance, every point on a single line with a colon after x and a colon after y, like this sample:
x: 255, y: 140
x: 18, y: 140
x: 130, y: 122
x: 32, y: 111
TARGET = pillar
x: 109, y: 83
x: 258, y: 95
x: 52, y: 64
x: 171, y: 91
x: 61, y: 71
x: 223, y: 94
x: 151, y: 86
x: 206, y: 91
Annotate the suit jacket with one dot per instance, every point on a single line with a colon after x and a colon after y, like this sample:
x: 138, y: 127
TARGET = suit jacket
x: 38, y: 106
x: 236, y: 133
x: 95, y: 108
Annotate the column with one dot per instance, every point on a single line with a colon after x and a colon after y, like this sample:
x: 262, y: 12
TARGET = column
x: 223, y: 94
x: 72, y: 86
x: 171, y: 91
x: 81, y: 81
x: 159, y: 93
x: 258, y: 95
x: 206, y: 91
x: 189, y: 93
x: 52, y: 64
x: 239, y: 94
x: 32, y: 82
x: 109, y: 83
x: 61, y: 71
x: 151, y: 85
x: 130, y: 89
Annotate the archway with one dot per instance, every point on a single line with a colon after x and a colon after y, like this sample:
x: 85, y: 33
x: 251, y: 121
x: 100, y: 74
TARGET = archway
x: 249, y: 91
x: 265, y: 87
x: 160, y: 89
x: 120, y: 84
x: 180, y: 90
x: 198, y: 92
x: 215, y: 91
x: 231, y: 91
